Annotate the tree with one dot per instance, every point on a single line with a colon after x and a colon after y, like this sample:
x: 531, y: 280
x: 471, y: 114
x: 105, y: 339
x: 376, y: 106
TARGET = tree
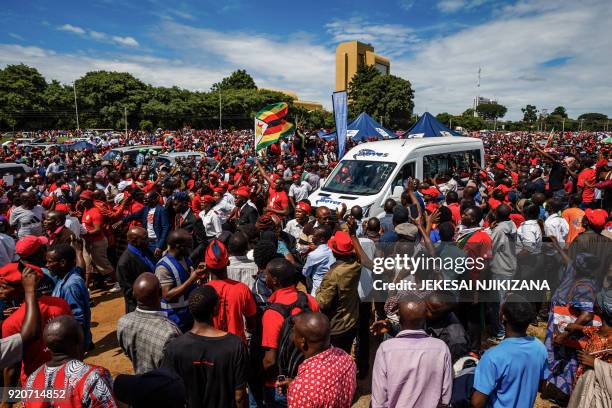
x: 239, y: 79
x: 364, y: 75
x: 593, y: 117
x: 491, y: 111
x: 468, y: 113
x: 385, y: 97
x: 559, y: 111
x: 445, y: 118
x: 530, y: 114
x: 21, y: 95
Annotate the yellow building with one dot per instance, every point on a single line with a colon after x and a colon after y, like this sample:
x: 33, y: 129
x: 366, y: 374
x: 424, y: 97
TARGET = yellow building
x: 353, y: 54
x: 308, y: 105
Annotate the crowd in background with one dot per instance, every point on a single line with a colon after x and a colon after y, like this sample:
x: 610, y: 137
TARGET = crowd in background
x: 239, y: 292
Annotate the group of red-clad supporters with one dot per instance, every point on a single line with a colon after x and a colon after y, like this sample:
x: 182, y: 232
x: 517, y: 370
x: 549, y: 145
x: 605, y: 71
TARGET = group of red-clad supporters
x: 239, y: 293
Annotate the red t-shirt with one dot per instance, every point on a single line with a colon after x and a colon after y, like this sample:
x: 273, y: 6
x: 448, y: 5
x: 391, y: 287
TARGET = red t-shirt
x: 456, y: 211
x: 272, y: 321
x: 588, y: 193
x: 478, y: 245
x: 235, y: 303
x: 92, y: 218
x: 36, y: 354
x: 278, y: 200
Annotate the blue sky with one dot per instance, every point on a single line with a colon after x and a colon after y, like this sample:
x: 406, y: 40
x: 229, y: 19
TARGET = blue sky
x: 542, y: 52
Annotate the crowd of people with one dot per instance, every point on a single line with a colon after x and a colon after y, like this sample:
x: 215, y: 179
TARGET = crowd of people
x: 239, y: 292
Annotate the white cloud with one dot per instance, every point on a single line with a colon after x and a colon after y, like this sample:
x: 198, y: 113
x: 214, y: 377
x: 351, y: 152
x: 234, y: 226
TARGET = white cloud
x: 452, y: 6
x: 100, y: 36
x: 68, y: 67
x: 295, y: 63
x: 511, y: 51
x: 387, y: 39
x: 16, y: 36
x: 72, y: 29
x: 126, y: 41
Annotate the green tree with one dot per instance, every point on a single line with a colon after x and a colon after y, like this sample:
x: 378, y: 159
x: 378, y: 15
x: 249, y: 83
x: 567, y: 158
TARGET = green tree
x: 559, y: 111
x: 385, y: 97
x: 239, y: 79
x: 593, y: 117
x: 21, y: 96
x: 530, y: 114
x: 364, y: 75
x: 491, y: 111
x: 445, y: 118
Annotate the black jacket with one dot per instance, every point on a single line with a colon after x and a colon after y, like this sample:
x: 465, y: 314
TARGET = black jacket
x: 129, y: 267
x: 248, y: 215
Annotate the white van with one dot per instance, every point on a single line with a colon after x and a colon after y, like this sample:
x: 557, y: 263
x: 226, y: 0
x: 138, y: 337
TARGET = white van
x: 372, y: 172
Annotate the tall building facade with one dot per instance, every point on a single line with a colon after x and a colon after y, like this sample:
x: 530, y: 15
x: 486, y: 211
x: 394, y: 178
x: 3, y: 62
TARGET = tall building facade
x: 353, y: 54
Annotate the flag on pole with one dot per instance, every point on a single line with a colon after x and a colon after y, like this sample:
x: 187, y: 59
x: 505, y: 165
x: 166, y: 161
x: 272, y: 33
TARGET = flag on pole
x: 270, y: 125
x: 340, y: 104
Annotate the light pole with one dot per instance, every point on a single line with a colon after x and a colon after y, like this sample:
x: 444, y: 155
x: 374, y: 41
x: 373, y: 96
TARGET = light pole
x: 220, y: 123
x: 563, y: 126
x: 125, y: 120
x: 76, y: 105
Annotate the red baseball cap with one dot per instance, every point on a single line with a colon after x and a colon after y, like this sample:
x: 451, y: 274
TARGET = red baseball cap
x: 243, y: 192
x: 62, y: 208
x: 304, y: 206
x: 216, y: 256
x: 214, y: 174
x: 86, y: 195
x: 430, y: 191
x: 218, y: 190
x: 65, y: 187
x: 47, y: 201
x: 208, y: 199
x: 341, y: 243
x: 10, y: 273
x: 29, y: 244
x: 296, y: 176
x: 597, y: 218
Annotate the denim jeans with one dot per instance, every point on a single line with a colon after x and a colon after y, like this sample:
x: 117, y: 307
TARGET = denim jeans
x: 501, y: 295
x: 273, y: 399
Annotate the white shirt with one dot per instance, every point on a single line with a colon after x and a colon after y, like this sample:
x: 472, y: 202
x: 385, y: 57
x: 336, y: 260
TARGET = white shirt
x: 212, y: 223
x: 529, y: 237
x: 556, y: 226
x: 150, y: 217
x: 223, y: 209
x: 7, y: 249
x: 293, y: 228
x: 300, y: 192
x: 74, y: 225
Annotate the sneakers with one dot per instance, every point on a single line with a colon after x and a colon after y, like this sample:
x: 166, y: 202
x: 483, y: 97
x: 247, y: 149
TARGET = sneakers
x: 116, y: 288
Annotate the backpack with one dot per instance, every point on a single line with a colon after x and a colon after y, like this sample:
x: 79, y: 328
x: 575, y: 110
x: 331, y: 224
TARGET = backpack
x: 289, y: 357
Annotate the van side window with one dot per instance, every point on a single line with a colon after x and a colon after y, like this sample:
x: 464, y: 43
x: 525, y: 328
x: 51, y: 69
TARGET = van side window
x: 450, y: 163
x: 407, y: 171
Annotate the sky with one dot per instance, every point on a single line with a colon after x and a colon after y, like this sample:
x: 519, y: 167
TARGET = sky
x: 541, y: 52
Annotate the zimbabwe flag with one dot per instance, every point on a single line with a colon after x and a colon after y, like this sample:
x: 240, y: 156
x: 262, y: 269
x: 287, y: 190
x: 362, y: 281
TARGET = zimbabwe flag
x: 270, y: 125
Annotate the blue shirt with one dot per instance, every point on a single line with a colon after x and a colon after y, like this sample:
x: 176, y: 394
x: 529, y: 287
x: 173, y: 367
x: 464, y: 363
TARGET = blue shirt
x: 511, y: 372
x: 73, y: 290
x: 317, y: 265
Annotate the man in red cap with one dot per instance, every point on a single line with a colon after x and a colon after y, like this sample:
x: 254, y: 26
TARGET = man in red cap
x: 278, y: 201
x: 236, y: 299
x: 245, y: 211
x: 210, y: 217
x: 96, y: 245
x: 295, y: 226
x: 11, y: 290
x: 337, y: 296
x: 592, y: 241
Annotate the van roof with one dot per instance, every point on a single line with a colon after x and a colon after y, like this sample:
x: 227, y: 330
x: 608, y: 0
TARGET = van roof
x: 396, y: 149
x: 180, y: 154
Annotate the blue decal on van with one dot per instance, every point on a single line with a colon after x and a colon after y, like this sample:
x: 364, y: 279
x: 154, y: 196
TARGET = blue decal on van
x: 369, y: 153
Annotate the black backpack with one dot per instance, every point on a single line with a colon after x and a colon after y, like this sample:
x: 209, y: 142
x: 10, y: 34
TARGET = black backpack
x: 288, y: 357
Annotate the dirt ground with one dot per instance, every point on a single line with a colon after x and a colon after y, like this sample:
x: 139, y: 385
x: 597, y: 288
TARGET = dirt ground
x: 109, y: 308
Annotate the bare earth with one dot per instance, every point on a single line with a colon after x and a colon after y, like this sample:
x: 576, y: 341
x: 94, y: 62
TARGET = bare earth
x: 110, y: 307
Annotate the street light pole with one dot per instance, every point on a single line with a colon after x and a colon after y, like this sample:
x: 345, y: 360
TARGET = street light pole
x: 563, y: 125
x: 76, y: 105
x: 125, y: 120
x: 220, y: 123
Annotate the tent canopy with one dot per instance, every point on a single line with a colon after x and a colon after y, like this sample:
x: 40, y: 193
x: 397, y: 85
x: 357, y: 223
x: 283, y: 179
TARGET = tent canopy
x: 429, y: 126
x: 363, y: 128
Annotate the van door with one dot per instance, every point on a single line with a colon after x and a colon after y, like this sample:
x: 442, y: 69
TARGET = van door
x: 407, y: 171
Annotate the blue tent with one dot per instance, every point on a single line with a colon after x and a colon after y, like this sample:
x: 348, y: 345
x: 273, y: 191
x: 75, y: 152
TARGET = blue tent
x: 363, y: 128
x: 429, y: 126
x: 80, y: 145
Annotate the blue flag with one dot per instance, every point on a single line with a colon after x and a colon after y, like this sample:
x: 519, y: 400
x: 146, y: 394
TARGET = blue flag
x: 340, y: 103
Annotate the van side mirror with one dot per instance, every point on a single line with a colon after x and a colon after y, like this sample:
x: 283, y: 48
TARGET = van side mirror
x: 397, y: 191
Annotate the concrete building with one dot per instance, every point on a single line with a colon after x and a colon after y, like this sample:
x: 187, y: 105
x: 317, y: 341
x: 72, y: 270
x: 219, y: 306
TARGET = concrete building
x: 353, y: 54
x: 308, y: 105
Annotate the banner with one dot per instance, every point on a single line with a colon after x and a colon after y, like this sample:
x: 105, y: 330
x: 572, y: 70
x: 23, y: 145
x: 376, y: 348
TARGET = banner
x: 340, y: 104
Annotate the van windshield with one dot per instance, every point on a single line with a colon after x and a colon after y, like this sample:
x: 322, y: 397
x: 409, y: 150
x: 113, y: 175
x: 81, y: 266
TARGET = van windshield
x: 359, y: 177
